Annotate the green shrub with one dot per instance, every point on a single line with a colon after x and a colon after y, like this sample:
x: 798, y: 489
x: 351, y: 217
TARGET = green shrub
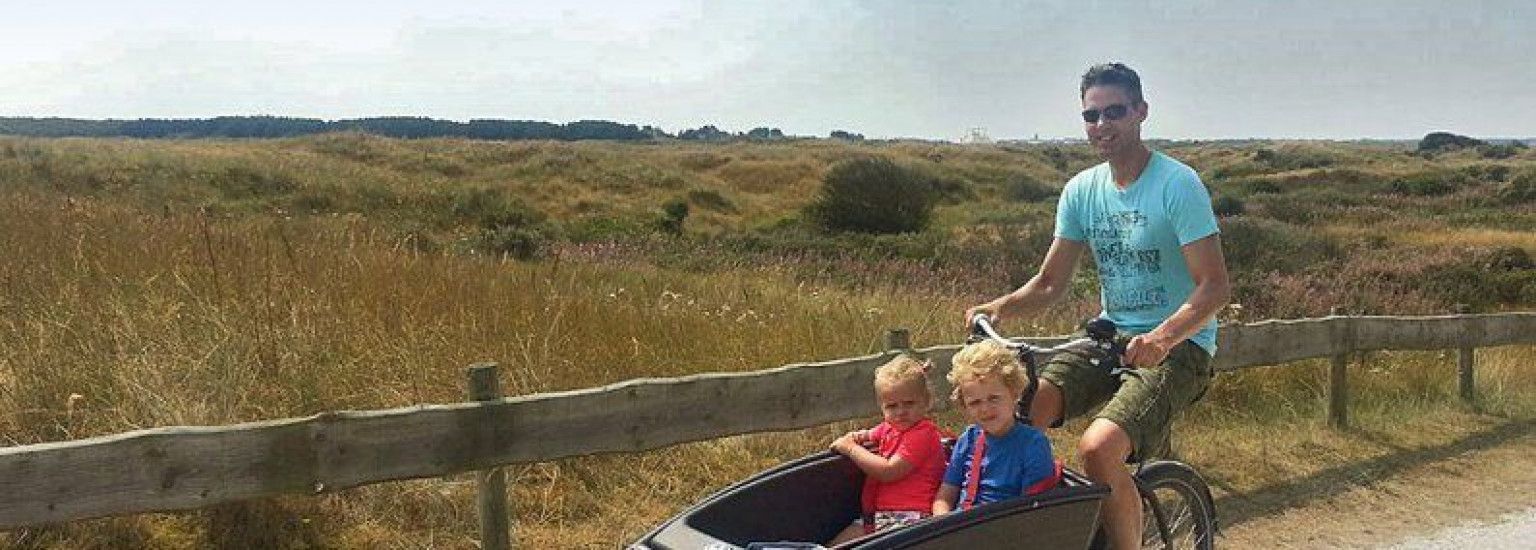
x: 1022, y: 187
x: 949, y: 188
x: 1520, y: 190
x: 1232, y: 171
x: 244, y: 182
x: 314, y: 200
x: 606, y: 228
x: 1262, y: 187
x: 1288, y: 158
x: 523, y: 243
x: 1502, y: 151
x: 1508, y: 258
x: 709, y: 199
x: 1484, y: 280
x: 1069, y: 160
x: 1428, y: 184
x: 1227, y: 205
x: 874, y: 195
x: 673, y: 213
x: 1257, y: 245
x: 491, y: 208
x: 1487, y: 172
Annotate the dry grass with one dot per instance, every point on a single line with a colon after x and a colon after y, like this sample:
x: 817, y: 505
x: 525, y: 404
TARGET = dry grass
x: 1427, y: 233
x: 115, y: 320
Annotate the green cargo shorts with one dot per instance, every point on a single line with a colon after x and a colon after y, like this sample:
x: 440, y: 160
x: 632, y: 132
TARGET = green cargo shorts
x: 1143, y: 402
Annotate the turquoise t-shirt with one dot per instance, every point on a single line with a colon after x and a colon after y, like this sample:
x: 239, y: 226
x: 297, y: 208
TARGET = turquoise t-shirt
x: 1136, y: 235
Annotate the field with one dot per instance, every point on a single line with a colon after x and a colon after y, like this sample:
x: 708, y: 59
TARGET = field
x: 152, y: 283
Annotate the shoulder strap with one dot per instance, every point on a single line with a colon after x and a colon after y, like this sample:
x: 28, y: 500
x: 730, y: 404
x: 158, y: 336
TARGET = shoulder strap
x: 973, y: 484
x: 1046, y: 484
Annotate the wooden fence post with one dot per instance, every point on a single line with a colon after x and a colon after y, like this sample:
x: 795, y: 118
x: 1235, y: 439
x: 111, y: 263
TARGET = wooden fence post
x: 898, y: 339
x: 1338, y: 376
x: 491, y: 484
x: 1465, y: 358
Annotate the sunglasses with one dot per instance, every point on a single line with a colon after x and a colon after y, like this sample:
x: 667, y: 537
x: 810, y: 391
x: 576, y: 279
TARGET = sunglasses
x: 1112, y: 112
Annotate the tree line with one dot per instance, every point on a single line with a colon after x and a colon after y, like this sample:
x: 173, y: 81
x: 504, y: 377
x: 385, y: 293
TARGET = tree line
x: 398, y: 127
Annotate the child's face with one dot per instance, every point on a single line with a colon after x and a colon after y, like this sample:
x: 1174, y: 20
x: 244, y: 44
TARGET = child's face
x: 989, y: 403
x: 903, y: 404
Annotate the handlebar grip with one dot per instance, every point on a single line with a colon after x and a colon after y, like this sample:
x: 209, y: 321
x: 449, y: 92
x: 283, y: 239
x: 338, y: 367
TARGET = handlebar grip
x: 980, y: 325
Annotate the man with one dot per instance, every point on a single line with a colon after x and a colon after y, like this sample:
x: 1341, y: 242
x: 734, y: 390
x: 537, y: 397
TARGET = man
x: 1148, y: 220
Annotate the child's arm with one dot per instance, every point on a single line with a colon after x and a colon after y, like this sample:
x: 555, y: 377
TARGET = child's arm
x: 944, y: 500
x: 873, y: 465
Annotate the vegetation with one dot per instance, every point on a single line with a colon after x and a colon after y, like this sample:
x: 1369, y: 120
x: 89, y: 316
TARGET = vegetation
x: 398, y: 127
x: 152, y: 283
x: 875, y: 195
x: 1441, y: 141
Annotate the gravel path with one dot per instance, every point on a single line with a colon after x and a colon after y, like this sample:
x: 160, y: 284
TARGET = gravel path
x: 1514, y: 531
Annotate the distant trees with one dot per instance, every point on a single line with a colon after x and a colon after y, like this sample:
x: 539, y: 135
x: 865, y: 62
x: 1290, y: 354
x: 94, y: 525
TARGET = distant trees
x: 276, y: 127
x: 761, y: 133
x: 707, y: 132
x: 602, y: 129
x: 846, y: 136
x: 410, y: 127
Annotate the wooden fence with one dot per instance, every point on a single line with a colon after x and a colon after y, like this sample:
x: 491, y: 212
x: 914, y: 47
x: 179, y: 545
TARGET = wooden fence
x: 182, y: 468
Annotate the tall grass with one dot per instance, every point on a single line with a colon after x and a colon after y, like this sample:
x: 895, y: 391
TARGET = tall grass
x: 116, y: 319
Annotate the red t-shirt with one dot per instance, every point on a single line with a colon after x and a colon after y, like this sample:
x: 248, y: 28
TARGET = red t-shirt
x: 919, y: 446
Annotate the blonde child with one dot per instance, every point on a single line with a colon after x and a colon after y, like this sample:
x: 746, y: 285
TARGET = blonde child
x: 997, y: 458
x: 902, y: 458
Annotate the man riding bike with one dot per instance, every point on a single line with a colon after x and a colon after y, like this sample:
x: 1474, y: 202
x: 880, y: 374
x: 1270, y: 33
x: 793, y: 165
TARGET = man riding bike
x: 1148, y: 220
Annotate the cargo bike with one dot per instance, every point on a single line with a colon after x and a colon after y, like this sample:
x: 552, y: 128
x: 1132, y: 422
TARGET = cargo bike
x: 803, y: 503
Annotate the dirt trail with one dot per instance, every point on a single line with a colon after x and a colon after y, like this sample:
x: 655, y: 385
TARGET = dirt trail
x: 1480, y: 479
x: 1512, y: 532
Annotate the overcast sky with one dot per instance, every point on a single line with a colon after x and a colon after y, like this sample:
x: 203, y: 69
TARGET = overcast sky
x: 1211, y: 69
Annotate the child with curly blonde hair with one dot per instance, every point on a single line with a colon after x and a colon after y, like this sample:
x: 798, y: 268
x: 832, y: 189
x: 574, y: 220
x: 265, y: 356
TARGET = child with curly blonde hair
x: 997, y: 457
x: 903, y: 457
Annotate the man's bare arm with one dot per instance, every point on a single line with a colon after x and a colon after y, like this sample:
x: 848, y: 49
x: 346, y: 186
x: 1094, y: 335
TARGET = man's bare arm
x: 1212, y: 292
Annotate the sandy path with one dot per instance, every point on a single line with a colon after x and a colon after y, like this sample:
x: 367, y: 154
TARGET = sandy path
x: 1509, y: 532
x: 1479, y: 482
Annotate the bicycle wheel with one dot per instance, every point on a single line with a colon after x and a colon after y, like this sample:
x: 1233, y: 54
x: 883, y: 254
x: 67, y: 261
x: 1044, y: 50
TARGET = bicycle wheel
x: 1185, y: 502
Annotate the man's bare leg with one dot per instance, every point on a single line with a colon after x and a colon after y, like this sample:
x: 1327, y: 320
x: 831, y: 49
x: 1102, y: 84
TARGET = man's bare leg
x: 1046, y: 406
x: 1103, y: 449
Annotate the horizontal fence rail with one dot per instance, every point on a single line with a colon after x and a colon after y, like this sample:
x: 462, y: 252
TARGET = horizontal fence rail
x: 181, y: 468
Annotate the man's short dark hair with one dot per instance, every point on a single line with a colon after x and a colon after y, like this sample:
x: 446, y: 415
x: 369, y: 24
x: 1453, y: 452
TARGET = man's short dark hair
x: 1112, y: 74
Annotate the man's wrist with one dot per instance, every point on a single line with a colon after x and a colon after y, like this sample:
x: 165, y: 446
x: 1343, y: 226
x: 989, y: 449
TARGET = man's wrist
x: 1160, y: 339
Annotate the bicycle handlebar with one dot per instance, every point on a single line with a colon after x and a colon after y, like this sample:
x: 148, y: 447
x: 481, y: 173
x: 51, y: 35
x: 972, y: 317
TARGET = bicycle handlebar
x: 1100, y: 341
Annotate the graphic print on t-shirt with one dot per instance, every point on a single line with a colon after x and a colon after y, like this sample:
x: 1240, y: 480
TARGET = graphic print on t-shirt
x: 1127, y: 271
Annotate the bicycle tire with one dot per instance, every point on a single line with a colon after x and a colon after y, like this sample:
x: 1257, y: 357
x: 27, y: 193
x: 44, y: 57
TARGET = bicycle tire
x: 1185, y: 500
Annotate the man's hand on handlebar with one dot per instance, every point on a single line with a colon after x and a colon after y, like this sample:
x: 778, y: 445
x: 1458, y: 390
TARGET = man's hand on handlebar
x: 1145, y: 351
x: 989, y: 309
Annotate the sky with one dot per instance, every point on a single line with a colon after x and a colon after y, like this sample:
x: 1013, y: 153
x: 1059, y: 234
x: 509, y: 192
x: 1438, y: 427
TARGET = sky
x: 1210, y: 69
